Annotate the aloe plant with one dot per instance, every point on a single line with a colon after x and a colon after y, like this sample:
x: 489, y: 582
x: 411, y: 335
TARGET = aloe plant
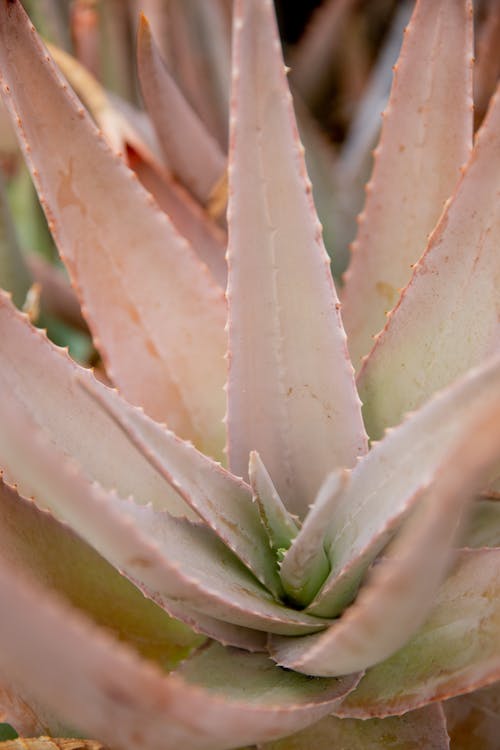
x: 211, y: 566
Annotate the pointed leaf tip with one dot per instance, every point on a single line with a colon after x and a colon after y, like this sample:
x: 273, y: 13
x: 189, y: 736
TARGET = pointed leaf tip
x: 290, y: 380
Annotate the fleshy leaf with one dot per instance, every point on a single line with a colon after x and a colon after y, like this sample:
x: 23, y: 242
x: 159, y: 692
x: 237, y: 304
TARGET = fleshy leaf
x: 199, y: 54
x: 426, y: 138
x: 425, y: 728
x: 291, y: 384
x: 41, y: 379
x: 306, y: 566
x: 390, y: 480
x: 36, y: 543
x: 400, y: 591
x: 473, y: 719
x: 168, y: 558
x: 453, y: 296
x: 146, y: 296
x: 124, y: 701
x: 191, y: 152
x: 280, y: 525
x: 220, y: 499
x: 205, y: 237
x: 456, y: 651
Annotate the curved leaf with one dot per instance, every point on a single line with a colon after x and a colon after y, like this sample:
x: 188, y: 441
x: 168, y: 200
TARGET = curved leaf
x: 456, y: 651
x: 147, y: 298
x: 191, y: 152
x: 425, y: 728
x: 220, y: 499
x: 400, y: 591
x: 124, y: 701
x: 453, y: 296
x: 391, y: 480
x: 426, y: 137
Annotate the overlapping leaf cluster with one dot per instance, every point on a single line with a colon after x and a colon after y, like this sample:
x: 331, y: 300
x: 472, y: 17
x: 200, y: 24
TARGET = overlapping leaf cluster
x: 325, y: 575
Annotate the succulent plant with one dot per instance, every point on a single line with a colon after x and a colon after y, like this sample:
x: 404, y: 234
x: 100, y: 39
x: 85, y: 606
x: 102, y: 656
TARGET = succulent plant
x: 322, y: 583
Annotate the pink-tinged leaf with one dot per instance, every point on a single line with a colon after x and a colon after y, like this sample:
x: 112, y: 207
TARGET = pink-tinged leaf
x: 399, y: 593
x: 41, y: 379
x: 473, y: 720
x: 223, y: 501
x: 453, y: 296
x: 150, y: 303
x: 456, y: 651
x: 306, y: 566
x: 170, y: 559
x: 21, y: 715
x: 191, y: 152
x: 426, y: 138
x: 84, y: 23
x: 206, y: 238
x: 391, y: 480
x: 104, y: 689
x: 291, y: 393
x: 483, y: 529
x: 281, y: 527
x: 425, y: 728
x: 35, y: 542
x: 355, y: 159
x: 199, y: 54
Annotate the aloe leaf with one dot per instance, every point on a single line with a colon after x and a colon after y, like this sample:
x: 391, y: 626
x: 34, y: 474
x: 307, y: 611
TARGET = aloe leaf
x: 391, y: 480
x: 291, y: 393
x: 199, y: 44
x: 169, y: 558
x: 483, y: 529
x: 355, y: 159
x: 306, y: 566
x: 454, y: 295
x: 128, y: 703
x: 426, y: 137
x: 145, y: 294
x: 457, y: 650
x: 400, y: 591
x: 20, y: 717
x: 206, y: 238
x: 416, y: 729
x: 474, y: 718
x: 281, y: 527
x: 191, y: 152
x: 220, y: 499
x: 49, y: 551
x: 41, y: 380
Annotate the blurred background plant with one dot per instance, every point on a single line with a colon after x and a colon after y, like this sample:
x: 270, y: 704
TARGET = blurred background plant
x: 340, y: 54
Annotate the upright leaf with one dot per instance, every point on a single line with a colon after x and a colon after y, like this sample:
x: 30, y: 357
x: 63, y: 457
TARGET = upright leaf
x: 426, y: 137
x: 145, y: 295
x: 191, y: 152
x: 291, y: 393
x: 447, y: 319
